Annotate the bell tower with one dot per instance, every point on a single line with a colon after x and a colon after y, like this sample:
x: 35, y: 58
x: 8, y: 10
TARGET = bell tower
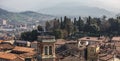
x: 92, y: 52
x: 46, y: 48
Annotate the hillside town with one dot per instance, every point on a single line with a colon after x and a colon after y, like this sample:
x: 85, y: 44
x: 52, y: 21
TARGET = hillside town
x: 48, y: 48
x: 59, y: 30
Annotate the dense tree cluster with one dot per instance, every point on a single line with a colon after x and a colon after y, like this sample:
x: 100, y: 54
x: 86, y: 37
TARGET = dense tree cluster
x: 32, y: 35
x: 61, y: 28
x: 29, y: 36
x: 78, y: 27
x: 88, y: 26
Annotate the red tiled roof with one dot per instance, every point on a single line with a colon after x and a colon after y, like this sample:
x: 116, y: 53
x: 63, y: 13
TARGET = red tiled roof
x: 23, y: 49
x: 60, y: 42
x: 6, y: 46
x: 116, y: 39
x: 117, y: 44
x: 71, y: 41
x: 106, y: 57
x: 31, y: 54
x: 92, y: 39
x: 9, y: 56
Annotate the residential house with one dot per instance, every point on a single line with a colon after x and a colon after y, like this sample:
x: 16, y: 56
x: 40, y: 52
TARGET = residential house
x: 84, y: 41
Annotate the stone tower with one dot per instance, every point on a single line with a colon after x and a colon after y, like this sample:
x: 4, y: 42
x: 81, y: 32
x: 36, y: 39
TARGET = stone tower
x: 46, y: 48
x: 92, y: 52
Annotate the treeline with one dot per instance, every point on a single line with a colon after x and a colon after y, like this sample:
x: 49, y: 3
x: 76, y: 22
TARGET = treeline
x: 65, y: 27
x: 88, y: 26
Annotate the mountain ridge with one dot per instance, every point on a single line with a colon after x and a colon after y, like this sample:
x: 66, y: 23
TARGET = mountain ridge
x: 24, y: 16
x: 76, y: 10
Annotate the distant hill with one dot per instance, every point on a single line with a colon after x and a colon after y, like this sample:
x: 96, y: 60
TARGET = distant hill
x: 76, y: 10
x: 27, y: 16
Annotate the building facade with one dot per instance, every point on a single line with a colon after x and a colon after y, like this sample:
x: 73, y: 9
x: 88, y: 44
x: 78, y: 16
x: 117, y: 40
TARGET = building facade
x: 46, y: 48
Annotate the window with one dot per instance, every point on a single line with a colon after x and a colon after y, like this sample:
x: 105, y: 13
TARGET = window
x: 46, y: 50
x: 50, y: 50
x: 27, y: 59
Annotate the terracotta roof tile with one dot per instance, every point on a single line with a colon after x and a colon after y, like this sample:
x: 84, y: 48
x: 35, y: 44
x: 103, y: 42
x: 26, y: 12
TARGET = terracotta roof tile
x: 6, y: 46
x: 23, y: 49
x: 60, y: 42
x: 7, y: 56
x: 116, y: 39
x: 117, y: 44
x: 106, y: 57
x: 31, y: 54
x: 92, y: 39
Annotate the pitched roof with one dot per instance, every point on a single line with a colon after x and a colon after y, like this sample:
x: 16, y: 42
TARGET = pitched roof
x: 117, y: 44
x: 60, y: 42
x: 69, y: 42
x: 6, y: 46
x: 1, y: 41
x: 31, y: 54
x: 23, y: 49
x: 23, y: 42
x: 46, y: 37
x: 92, y: 39
x: 8, y: 56
x: 107, y: 57
x: 72, y: 58
x: 19, y: 41
x: 116, y: 39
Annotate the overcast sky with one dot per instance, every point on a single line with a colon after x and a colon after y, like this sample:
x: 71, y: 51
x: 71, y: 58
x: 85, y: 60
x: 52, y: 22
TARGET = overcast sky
x: 35, y: 5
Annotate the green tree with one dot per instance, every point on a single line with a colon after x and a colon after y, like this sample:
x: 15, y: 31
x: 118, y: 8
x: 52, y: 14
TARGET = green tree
x: 69, y: 27
x: 39, y: 28
x: 56, y: 24
x: 25, y: 35
x: 29, y: 36
x: 80, y: 24
x: 47, y: 26
x: 57, y: 33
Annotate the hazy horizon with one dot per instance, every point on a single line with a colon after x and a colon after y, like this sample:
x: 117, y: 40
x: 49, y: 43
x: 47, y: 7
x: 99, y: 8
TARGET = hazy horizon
x: 35, y: 5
